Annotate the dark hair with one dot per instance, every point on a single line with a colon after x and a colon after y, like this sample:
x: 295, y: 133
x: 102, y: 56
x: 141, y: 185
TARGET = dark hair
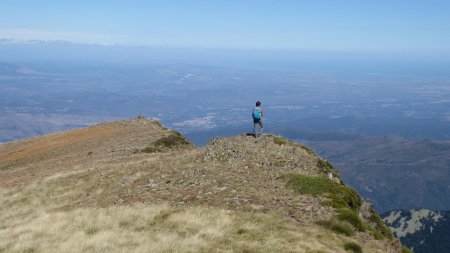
x: 258, y: 103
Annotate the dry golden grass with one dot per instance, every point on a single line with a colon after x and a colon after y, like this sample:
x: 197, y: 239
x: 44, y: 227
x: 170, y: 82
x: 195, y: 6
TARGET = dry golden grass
x: 31, y: 222
x: 156, y: 228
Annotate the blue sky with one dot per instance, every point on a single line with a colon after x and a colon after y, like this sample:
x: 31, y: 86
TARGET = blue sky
x: 316, y: 25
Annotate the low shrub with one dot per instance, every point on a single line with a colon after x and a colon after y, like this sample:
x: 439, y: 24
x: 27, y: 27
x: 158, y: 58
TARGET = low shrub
x: 353, y: 247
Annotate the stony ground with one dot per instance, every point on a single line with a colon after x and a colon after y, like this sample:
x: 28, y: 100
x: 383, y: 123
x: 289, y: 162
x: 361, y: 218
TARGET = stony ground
x: 104, y: 166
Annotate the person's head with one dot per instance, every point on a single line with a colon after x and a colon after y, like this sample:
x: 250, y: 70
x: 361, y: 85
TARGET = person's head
x: 258, y: 103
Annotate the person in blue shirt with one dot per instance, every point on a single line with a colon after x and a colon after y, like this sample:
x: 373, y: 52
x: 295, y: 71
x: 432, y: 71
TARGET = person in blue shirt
x: 257, y: 115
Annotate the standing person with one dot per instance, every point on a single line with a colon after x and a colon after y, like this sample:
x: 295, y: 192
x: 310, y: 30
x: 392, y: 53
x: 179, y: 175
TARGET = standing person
x: 257, y: 119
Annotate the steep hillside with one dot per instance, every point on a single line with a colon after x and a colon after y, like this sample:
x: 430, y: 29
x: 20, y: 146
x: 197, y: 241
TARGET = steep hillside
x: 422, y: 230
x: 392, y: 172
x: 135, y: 186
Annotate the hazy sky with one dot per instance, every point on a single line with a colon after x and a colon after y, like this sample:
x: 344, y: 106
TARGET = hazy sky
x: 369, y: 25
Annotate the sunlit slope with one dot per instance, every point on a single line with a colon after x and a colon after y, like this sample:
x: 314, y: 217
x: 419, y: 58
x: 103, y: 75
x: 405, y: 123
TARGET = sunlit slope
x: 135, y: 186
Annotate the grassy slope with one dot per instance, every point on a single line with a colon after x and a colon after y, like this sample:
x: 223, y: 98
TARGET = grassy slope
x: 93, y: 190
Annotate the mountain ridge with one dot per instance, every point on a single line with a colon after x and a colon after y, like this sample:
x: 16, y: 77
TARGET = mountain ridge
x: 237, y: 194
x: 388, y: 170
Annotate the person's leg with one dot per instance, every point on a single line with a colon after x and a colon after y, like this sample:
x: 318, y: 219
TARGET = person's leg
x: 255, y: 133
x: 261, y: 124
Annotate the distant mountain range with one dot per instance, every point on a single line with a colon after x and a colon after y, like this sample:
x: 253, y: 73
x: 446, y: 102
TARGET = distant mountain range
x: 422, y: 230
x: 9, y: 41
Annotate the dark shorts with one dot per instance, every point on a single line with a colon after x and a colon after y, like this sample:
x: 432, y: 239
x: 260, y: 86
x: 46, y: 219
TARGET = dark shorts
x: 258, y: 121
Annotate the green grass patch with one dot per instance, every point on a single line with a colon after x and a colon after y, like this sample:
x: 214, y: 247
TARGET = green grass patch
x: 406, y: 250
x: 351, y: 217
x: 336, y: 226
x: 353, y: 247
x: 339, y: 196
x: 345, y: 199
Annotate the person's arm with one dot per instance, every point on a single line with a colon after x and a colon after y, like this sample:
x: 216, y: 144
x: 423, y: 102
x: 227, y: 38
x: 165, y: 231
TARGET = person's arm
x: 261, y: 110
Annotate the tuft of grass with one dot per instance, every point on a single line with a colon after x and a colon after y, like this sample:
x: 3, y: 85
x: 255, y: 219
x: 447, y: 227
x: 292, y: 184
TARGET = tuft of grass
x: 174, y: 139
x: 339, y: 196
x: 124, y: 223
x: 308, y: 150
x: 159, y: 125
x: 328, y: 168
x: 406, y: 250
x: 280, y: 163
x: 336, y: 226
x: 279, y: 140
x: 353, y: 247
x: 380, y: 228
x: 242, y: 231
x: 325, y: 165
x: 376, y: 234
x: 351, y: 217
x: 160, y: 218
x: 150, y: 149
x: 284, y: 141
x: 91, y: 231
